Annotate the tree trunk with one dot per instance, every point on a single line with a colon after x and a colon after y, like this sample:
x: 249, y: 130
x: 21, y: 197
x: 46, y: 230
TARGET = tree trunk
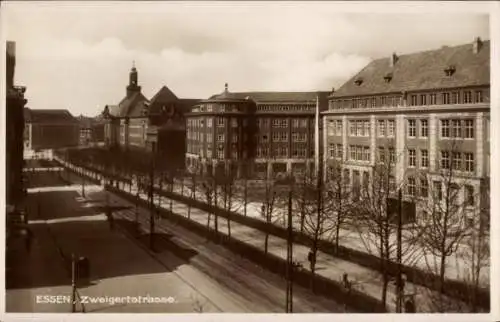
x: 302, y: 216
x: 171, y: 191
x: 266, y: 240
x: 229, y: 213
x: 337, y: 233
x: 442, y: 271
x: 216, y: 221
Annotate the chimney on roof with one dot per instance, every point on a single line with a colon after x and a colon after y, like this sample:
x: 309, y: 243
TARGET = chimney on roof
x: 394, y: 59
x: 476, y: 46
x: 225, y: 87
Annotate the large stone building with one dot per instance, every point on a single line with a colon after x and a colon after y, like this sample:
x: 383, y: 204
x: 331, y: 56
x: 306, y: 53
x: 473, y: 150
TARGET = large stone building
x: 424, y: 112
x: 157, y: 125
x: 258, y: 134
x: 15, y: 103
x: 50, y: 129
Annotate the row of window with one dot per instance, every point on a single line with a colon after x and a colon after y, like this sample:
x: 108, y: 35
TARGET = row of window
x: 359, y: 153
x: 457, y: 161
x: 423, y: 128
x: 437, y: 189
x: 359, y: 128
x: 217, y: 107
x: 412, y: 186
x: 454, y: 128
x: 285, y: 108
x: 456, y: 97
x: 261, y: 122
x: 466, y: 97
x: 282, y: 152
x: 389, y: 101
x: 386, y: 128
x: 221, y: 122
x: 457, y: 128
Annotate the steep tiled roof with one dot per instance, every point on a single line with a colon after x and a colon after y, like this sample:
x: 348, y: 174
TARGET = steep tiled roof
x: 263, y: 97
x: 423, y: 70
x: 48, y: 116
x: 132, y: 105
x: 164, y: 95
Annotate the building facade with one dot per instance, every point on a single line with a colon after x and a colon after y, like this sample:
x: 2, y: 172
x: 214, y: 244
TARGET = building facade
x: 254, y: 134
x: 157, y: 125
x: 422, y: 112
x: 15, y: 102
x: 50, y: 129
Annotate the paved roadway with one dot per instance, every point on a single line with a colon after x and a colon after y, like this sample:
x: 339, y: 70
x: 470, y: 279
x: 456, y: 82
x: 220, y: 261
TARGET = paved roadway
x: 201, y: 276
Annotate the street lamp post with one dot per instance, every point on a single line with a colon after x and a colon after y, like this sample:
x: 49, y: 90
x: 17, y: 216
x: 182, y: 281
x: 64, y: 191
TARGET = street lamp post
x: 289, y: 181
x: 399, y: 281
x: 151, y: 205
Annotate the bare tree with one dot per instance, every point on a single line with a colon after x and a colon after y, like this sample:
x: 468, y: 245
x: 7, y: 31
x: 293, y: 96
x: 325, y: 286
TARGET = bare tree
x: 447, y: 212
x: 208, y: 186
x: 374, y: 222
x: 476, y: 254
x: 316, y: 219
x: 339, y: 193
x: 268, y: 207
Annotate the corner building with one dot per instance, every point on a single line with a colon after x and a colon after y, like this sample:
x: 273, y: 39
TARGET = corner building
x: 259, y: 135
x: 156, y: 125
x: 409, y: 109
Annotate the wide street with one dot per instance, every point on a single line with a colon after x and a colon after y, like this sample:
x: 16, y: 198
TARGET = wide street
x: 198, y: 275
x: 364, y: 279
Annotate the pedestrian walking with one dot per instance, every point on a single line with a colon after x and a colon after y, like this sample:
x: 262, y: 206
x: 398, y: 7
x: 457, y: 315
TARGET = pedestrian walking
x: 410, y: 306
x: 311, y: 257
x: 111, y: 220
x: 28, y: 239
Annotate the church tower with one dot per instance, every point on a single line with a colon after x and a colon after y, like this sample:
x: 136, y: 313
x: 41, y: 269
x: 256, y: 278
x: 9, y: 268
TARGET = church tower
x: 133, y: 86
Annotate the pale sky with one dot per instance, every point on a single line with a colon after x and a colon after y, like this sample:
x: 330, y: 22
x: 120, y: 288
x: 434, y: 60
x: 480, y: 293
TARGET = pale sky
x: 77, y: 55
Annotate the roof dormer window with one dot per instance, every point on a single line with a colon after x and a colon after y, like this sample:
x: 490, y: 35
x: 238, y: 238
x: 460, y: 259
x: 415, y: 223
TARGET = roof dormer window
x: 450, y: 70
x: 388, y: 77
x: 358, y: 81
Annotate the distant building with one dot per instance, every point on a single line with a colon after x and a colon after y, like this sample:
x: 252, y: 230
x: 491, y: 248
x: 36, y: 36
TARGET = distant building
x: 157, y: 125
x: 257, y: 134
x: 50, y: 129
x: 91, y: 130
x: 15, y: 103
x: 408, y: 110
x: 85, y: 136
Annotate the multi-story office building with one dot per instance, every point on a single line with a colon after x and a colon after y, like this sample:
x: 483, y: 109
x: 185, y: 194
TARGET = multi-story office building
x: 424, y: 111
x: 258, y: 134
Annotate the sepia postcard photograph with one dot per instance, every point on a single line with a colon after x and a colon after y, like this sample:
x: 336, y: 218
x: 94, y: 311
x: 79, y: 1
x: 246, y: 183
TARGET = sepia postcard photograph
x: 330, y: 160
